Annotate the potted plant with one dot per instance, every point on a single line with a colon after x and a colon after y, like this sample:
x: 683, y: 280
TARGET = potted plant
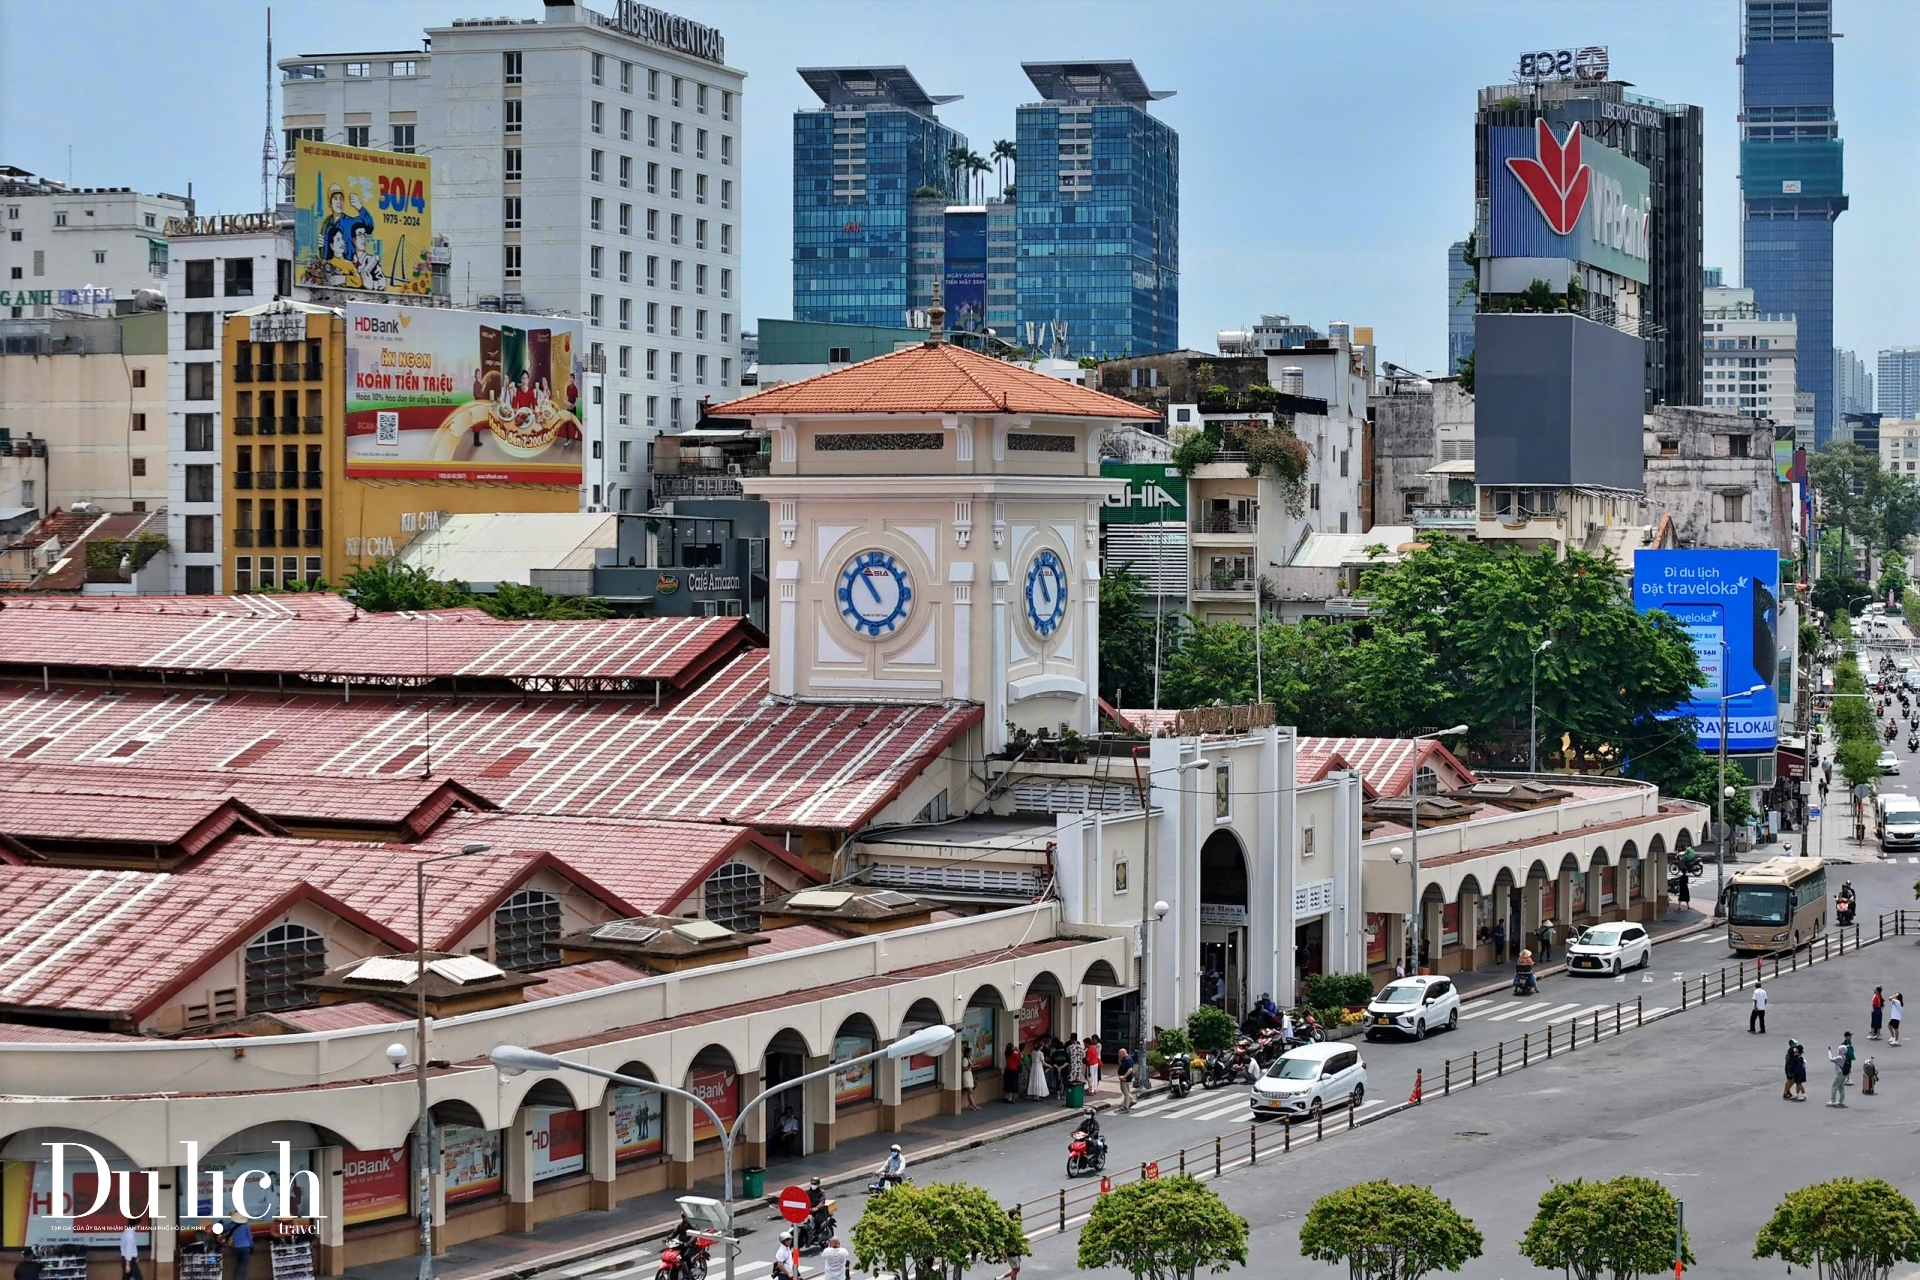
x: 1073, y: 747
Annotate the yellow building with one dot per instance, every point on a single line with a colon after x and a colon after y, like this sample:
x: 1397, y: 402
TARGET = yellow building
x: 290, y: 513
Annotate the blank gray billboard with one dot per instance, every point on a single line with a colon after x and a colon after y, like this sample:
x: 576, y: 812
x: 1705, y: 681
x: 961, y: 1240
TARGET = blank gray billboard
x: 1557, y: 401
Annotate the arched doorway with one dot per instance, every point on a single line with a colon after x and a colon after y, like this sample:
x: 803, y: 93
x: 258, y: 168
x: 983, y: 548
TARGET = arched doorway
x: 1223, y: 923
x: 789, y: 1133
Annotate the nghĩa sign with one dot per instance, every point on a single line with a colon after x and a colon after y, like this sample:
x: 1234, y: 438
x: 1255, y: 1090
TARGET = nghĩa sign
x: 644, y: 22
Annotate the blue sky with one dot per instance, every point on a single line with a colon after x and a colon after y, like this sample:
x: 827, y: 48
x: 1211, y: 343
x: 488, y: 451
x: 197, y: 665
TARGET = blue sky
x: 1327, y: 149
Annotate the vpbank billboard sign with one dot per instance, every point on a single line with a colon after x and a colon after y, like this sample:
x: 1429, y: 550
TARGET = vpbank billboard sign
x: 1567, y: 196
x: 1727, y: 601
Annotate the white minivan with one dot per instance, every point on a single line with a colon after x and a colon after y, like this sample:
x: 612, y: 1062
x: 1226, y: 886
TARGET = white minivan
x: 1305, y: 1081
x: 1897, y: 821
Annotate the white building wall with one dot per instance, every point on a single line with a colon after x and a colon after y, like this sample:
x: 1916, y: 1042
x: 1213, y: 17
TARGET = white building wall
x: 1750, y: 359
x: 88, y: 238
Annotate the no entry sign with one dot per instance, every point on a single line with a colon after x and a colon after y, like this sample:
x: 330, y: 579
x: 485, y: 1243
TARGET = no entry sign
x: 794, y: 1205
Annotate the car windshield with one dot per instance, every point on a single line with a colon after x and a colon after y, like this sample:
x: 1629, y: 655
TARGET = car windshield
x: 1758, y: 904
x: 1294, y: 1069
x: 1600, y: 938
x: 1400, y: 993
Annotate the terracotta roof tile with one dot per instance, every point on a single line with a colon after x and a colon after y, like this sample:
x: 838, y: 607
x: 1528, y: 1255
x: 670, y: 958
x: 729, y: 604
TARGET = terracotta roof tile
x: 933, y: 379
x: 70, y: 811
x: 1385, y: 765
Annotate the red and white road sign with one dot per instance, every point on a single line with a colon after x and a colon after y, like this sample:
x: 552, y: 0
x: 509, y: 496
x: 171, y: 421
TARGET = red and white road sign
x: 794, y: 1205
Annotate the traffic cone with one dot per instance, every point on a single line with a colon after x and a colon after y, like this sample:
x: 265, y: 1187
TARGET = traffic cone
x: 1413, y: 1099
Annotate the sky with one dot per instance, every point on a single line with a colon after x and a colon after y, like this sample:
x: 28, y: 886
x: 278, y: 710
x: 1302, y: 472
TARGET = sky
x: 1326, y: 149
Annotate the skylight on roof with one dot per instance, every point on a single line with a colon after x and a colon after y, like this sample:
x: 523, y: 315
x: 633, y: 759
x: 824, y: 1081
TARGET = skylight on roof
x: 821, y: 899
x: 702, y: 931
x: 384, y: 969
x: 625, y: 931
x: 465, y: 969
x: 888, y: 898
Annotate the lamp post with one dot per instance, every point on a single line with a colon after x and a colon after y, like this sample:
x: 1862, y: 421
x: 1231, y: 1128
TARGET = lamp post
x: 422, y: 1127
x: 1533, y: 707
x: 1413, y: 936
x: 1720, y: 863
x: 511, y: 1060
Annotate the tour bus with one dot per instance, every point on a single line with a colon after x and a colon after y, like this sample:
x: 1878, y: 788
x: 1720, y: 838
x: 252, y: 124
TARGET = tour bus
x: 1777, y: 904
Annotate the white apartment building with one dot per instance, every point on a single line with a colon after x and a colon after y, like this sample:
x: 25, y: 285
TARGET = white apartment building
x: 1900, y: 446
x: 82, y: 249
x: 215, y: 266
x: 586, y: 165
x: 1750, y: 365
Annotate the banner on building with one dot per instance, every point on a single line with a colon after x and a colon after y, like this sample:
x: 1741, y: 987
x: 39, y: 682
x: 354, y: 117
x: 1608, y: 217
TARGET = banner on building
x: 719, y: 1088
x: 434, y: 394
x: 377, y: 1184
x: 1727, y: 601
x: 854, y: 1085
x: 1156, y: 493
x: 362, y: 219
x: 559, y: 1143
x: 469, y: 1162
x: 1554, y: 193
x: 964, y: 272
x: 976, y: 1037
x: 636, y: 1123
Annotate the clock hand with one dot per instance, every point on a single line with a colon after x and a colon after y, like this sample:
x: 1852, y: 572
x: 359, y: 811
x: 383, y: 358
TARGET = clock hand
x: 876, y: 591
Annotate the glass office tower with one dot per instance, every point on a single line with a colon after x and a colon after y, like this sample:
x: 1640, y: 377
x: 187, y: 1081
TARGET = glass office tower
x: 858, y: 159
x: 1098, y: 209
x: 1790, y: 180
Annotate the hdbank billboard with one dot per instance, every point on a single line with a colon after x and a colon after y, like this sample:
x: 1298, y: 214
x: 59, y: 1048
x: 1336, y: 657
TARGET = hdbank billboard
x: 1567, y: 197
x: 1727, y: 601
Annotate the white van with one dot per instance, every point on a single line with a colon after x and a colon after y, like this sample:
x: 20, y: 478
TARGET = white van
x: 1897, y: 821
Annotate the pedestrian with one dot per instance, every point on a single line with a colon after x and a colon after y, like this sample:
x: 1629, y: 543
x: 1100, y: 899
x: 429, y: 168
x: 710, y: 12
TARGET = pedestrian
x: 1685, y: 894
x: 1013, y: 1263
x: 1799, y: 1072
x: 1547, y: 935
x: 1893, y: 1017
x: 28, y: 1268
x: 966, y: 1082
x: 1093, y: 1062
x: 1878, y: 1010
x: 786, y: 1258
x: 835, y: 1262
x: 1500, y: 942
x: 1125, y: 1069
x: 1837, y: 1092
x: 1846, y: 1068
x: 1010, y: 1075
x: 240, y: 1240
x: 1869, y: 1078
x: 1757, y: 1020
x: 130, y: 1250
x: 1786, y: 1087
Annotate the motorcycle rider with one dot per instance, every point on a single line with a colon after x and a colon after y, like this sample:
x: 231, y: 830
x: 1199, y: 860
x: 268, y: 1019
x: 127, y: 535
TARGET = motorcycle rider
x: 817, y: 1220
x: 1090, y: 1126
x: 894, y: 1171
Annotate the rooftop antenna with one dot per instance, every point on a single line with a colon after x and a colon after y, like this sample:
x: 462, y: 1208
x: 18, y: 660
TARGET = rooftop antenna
x: 269, y: 152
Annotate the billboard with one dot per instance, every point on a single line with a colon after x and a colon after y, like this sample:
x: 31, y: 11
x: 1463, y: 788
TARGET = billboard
x: 964, y: 278
x: 1727, y: 602
x: 1558, y: 401
x: 362, y: 219
x: 1567, y: 197
x: 434, y: 394
x: 1156, y: 493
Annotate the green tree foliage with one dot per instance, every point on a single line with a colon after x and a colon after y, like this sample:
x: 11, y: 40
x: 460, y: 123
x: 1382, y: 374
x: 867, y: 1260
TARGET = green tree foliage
x: 1892, y: 578
x: 1388, y: 1231
x: 1210, y: 1028
x: 390, y: 586
x: 1622, y: 1229
x: 1126, y: 638
x: 1831, y: 592
x: 1163, y: 1229
x: 1466, y: 374
x: 509, y: 600
x: 1197, y: 450
x: 1845, y: 1228
x: 936, y: 1230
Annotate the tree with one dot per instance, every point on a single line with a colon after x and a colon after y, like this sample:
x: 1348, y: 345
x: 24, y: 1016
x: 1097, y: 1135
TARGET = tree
x: 1895, y: 515
x: 1126, y: 638
x: 388, y: 586
x: 1387, y: 1231
x: 512, y: 601
x: 1466, y: 374
x: 1210, y: 1027
x: 1004, y: 153
x: 977, y: 166
x: 956, y: 161
x: 1163, y: 1229
x: 1623, y: 1228
x: 1840, y: 475
x: 936, y: 1230
x: 1849, y: 1229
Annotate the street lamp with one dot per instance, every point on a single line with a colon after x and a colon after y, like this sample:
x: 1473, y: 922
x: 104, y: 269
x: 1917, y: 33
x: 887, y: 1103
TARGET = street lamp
x: 511, y: 1060
x: 1414, y: 808
x: 422, y: 1131
x: 1533, y: 708
x: 1720, y: 863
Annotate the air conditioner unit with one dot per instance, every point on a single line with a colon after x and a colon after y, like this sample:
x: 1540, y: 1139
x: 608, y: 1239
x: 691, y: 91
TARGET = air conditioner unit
x: 733, y: 469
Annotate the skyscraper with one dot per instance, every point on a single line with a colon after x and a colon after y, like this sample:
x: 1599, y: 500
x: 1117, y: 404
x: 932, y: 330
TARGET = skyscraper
x: 1791, y: 179
x: 1099, y: 210
x: 1900, y: 382
x: 858, y: 161
x: 1852, y: 384
x: 1461, y: 298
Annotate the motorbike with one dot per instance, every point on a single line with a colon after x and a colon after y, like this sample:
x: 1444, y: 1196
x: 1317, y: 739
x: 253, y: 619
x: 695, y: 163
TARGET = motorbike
x: 1844, y: 910
x: 1220, y: 1070
x: 687, y: 1261
x: 813, y: 1234
x: 1689, y: 861
x: 1307, y: 1031
x: 1179, y: 1075
x: 1913, y: 742
x: 883, y: 1182
x: 1268, y: 1048
x: 1525, y: 984
x: 1085, y: 1154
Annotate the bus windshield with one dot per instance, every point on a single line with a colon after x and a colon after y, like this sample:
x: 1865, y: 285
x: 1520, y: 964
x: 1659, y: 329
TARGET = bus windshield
x: 1759, y: 904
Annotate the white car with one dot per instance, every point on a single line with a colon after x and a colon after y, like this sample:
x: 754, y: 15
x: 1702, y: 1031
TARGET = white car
x: 1305, y: 1081
x: 1610, y: 948
x: 1889, y: 763
x: 1413, y: 1007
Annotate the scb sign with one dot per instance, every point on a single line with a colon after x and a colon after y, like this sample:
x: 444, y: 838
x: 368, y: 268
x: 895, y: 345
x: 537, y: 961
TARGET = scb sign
x: 1588, y: 64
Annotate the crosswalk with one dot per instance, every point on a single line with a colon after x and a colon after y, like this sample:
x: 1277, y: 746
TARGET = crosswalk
x: 1200, y: 1108
x: 642, y: 1262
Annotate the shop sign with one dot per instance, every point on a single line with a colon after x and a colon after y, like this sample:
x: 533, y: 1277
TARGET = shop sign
x: 469, y: 1162
x: 1205, y: 720
x: 1036, y: 1017
x: 56, y: 297
x: 1226, y: 914
x: 370, y: 548
x: 666, y: 585
x: 59, y: 1217
x: 376, y: 1184
x: 278, y: 326
x: 707, y: 580
x: 225, y: 224
x: 1587, y: 65
x: 719, y: 1088
x: 644, y: 22
x: 559, y: 1143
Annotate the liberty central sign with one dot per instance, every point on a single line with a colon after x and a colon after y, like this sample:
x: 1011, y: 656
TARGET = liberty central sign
x: 643, y: 22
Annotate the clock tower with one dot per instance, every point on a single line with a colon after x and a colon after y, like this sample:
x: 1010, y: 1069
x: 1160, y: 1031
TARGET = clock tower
x: 935, y: 520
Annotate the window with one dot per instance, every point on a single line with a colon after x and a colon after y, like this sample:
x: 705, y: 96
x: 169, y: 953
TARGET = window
x: 99, y: 257
x: 59, y: 220
x: 653, y: 365
x: 402, y: 135
x: 673, y: 137
x: 594, y: 451
x: 726, y: 371
x: 1222, y: 790
x: 700, y: 325
x: 510, y: 214
x: 279, y: 963
x: 626, y: 77
x: 595, y: 256
x: 596, y: 303
x: 700, y: 277
x: 673, y: 229
x: 200, y: 578
x: 199, y: 533
x: 653, y: 420
x: 200, y: 331
x: 653, y: 224
x: 512, y: 165
x: 294, y: 138
x: 239, y: 273
x: 626, y: 171
x: 653, y: 272
x: 726, y: 149
x: 700, y: 370
x: 596, y: 114
x: 653, y: 317
x: 359, y: 135
x: 359, y: 71
x: 626, y: 124
x: 403, y: 69
x: 626, y: 313
x: 199, y: 433
x: 1733, y: 507
x: 626, y: 219
x: 673, y: 274
x: 140, y: 464
x: 673, y: 322
x: 726, y: 193
x: 700, y: 144
x: 510, y: 264
x: 673, y: 413
x: 626, y: 362
x: 513, y: 108
x: 699, y: 188
x: 626, y: 266
x: 1343, y: 522
x: 653, y: 85
x: 673, y: 366
x: 673, y: 183
x: 726, y: 104
x: 526, y: 930
x: 597, y: 165
x: 511, y: 64
x: 599, y: 68
x: 731, y: 898
x: 726, y: 282
x: 626, y: 419
x: 653, y: 179
x: 699, y: 233
x: 726, y: 326
x: 679, y: 92
x: 200, y: 382
x: 653, y: 131
x: 1737, y: 446
x: 1313, y: 497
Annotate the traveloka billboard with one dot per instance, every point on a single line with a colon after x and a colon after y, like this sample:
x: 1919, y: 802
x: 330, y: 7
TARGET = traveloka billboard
x: 1567, y: 197
x: 1728, y: 603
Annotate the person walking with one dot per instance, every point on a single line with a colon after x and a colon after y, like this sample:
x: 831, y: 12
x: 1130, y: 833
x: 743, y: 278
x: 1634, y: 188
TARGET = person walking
x: 1757, y: 1020
x: 1846, y: 1068
x: 1877, y: 1011
x: 240, y: 1240
x: 130, y: 1250
x: 1837, y: 1092
x: 1893, y: 1017
x: 1499, y: 941
x: 966, y: 1082
x: 1010, y: 1075
x: 1547, y: 934
x: 1786, y: 1087
x: 1125, y: 1068
x: 1093, y: 1063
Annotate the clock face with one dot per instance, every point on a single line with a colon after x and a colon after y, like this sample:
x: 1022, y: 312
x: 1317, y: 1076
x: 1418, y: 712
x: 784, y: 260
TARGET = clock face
x: 1046, y: 593
x: 876, y: 593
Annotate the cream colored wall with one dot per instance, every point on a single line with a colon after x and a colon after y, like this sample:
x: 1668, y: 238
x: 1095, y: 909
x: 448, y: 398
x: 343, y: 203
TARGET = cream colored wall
x: 345, y: 943
x: 84, y: 407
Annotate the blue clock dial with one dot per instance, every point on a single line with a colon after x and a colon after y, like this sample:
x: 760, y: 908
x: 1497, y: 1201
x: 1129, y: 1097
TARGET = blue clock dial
x: 875, y: 594
x: 1046, y: 593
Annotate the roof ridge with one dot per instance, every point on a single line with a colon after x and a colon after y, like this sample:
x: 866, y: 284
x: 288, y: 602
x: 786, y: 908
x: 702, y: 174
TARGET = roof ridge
x: 716, y: 410
x: 960, y: 366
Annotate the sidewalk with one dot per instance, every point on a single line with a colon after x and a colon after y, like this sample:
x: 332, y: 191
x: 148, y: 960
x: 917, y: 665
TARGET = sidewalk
x: 558, y: 1241
x: 1679, y: 922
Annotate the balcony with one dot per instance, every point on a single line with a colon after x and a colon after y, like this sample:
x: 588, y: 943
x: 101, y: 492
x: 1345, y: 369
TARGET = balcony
x: 243, y: 479
x: 266, y: 537
x: 310, y: 537
x: 1221, y: 528
x: 290, y: 371
x: 1442, y: 515
x: 313, y: 479
x: 268, y: 425
x: 243, y: 426
x: 264, y: 373
x: 313, y: 371
x: 243, y: 373
x: 266, y: 480
x: 243, y: 537
x: 289, y: 479
x: 1221, y: 584
x: 312, y: 424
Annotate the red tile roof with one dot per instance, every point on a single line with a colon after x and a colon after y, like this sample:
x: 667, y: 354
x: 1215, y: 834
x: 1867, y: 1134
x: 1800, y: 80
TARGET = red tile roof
x: 339, y: 1017
x: 1385, y: 765
x: 797, y: 937
x: 574, y: 978
x: 67, y: 811
x: 727, y: 753
x: 362, y: 647
x: 933, y: 379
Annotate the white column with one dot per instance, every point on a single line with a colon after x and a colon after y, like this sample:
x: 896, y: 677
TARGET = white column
x: 783, y: 619
x: 960, y: 575
x: 995, y: 694
x: 1270, y: 914
x: 1090, y: 644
